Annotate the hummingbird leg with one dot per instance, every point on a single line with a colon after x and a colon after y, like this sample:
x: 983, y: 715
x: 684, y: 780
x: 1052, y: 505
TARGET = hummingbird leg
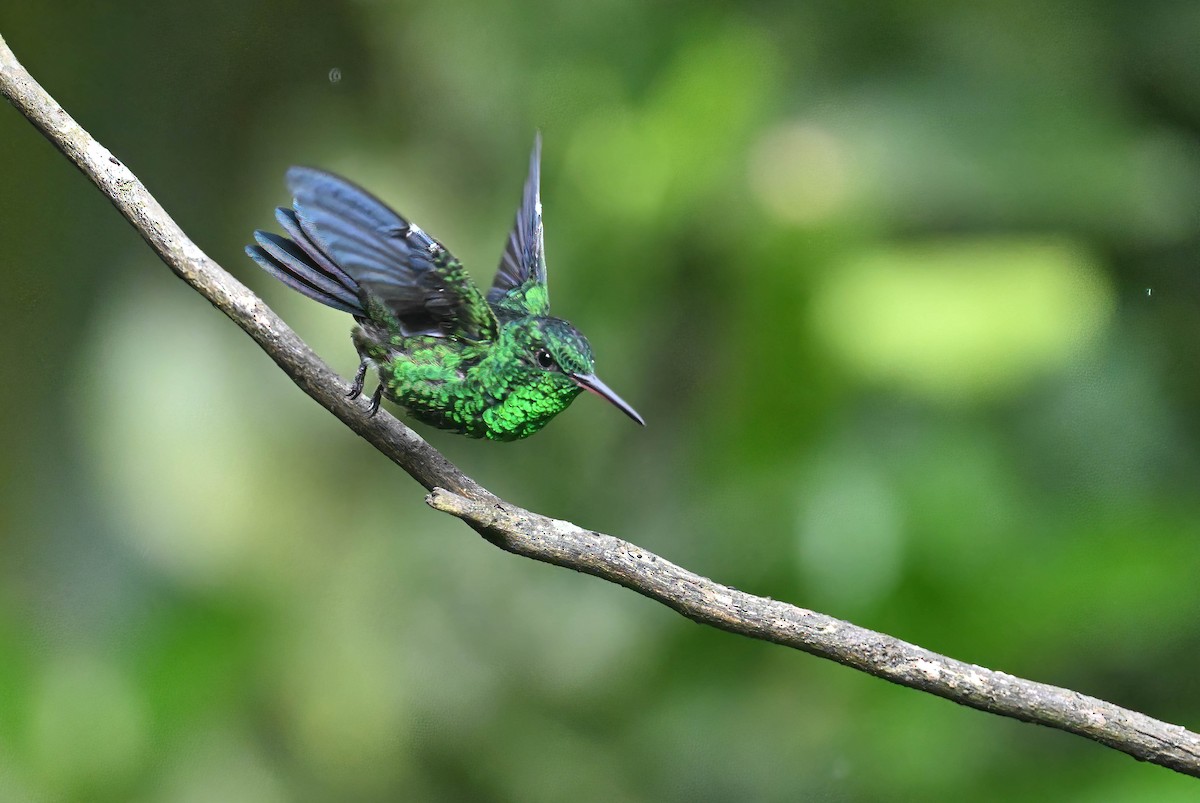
x: 376, y: 398
x: 359, y: 379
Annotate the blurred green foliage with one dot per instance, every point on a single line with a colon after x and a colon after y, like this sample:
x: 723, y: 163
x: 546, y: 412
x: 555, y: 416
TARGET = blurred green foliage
x: 907, y: 292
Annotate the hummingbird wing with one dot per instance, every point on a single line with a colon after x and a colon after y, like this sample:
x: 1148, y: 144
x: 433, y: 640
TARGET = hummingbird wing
x: 302, y: 265
x: 521, y: 279
x: 408, y: 281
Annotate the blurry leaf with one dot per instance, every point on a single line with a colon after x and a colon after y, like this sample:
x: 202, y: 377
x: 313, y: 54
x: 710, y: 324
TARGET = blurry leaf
x: 956, y: 320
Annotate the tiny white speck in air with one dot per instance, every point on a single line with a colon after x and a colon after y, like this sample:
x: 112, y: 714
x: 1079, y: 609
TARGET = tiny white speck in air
x: 1149, y: 292
x: 335, y: 75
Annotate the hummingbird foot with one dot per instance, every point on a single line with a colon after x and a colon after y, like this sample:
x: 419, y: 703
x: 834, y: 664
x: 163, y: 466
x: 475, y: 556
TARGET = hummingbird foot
x: 376, y: 398
x: 359, y: 379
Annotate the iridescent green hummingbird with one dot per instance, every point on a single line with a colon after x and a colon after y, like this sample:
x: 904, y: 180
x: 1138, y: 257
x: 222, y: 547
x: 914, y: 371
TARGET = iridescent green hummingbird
x: 495, y: 366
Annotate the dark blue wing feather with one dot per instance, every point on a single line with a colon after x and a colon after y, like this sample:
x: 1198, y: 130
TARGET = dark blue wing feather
x: 299, y: 264
x: 524, y: 260
x: 291, y: 224
x: 390, y: 259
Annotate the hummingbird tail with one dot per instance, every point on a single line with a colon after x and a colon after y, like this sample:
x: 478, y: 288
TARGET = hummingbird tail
x: 302, y: 265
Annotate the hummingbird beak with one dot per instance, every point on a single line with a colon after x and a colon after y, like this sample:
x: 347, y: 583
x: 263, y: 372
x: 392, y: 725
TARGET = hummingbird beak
x: 592, y: 382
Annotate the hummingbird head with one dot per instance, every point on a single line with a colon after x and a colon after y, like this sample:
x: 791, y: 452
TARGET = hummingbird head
x: 560, y: 352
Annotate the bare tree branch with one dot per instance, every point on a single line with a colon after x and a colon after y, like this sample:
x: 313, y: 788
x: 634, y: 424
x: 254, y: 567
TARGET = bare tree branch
x: 564, y: 544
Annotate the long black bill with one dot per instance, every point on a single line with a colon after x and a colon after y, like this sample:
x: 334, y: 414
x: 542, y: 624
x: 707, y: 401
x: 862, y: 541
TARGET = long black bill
x: 592, y: 382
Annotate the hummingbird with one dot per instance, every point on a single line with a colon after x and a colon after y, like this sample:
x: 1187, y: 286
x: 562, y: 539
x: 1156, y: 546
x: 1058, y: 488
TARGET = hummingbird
x: 494, y: 365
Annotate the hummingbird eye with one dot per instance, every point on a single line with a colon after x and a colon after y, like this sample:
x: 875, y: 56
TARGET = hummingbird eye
x: 544, y: 360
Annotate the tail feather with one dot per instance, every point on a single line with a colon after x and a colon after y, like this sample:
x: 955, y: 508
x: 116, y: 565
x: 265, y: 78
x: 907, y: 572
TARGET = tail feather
x: 301, y: 265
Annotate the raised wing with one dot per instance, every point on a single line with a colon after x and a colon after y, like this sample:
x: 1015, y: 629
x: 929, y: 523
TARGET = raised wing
x: 521, y: 279
x: 397, y: 266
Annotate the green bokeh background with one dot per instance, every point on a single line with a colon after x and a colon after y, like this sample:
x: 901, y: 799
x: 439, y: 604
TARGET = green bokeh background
x: 907, y: 292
